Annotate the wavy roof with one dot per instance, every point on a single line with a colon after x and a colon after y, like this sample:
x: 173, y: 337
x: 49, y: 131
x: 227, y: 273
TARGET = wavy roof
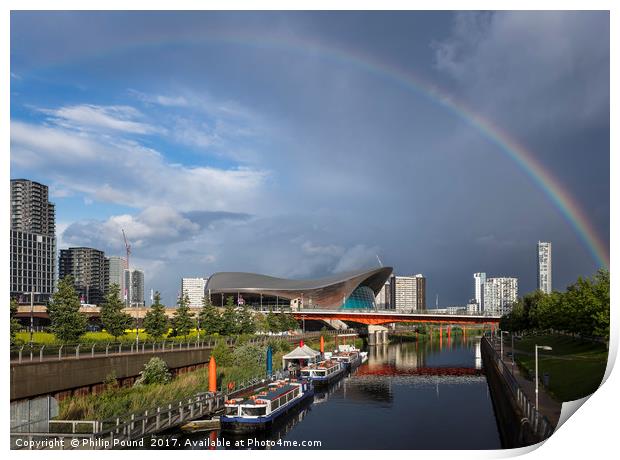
x: 239, y: 281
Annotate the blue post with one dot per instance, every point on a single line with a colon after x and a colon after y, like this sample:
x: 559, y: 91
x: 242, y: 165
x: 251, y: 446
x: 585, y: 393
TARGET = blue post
x: 269, y: 360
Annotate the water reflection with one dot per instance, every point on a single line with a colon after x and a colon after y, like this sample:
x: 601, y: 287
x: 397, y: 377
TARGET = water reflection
x: 427, y: 395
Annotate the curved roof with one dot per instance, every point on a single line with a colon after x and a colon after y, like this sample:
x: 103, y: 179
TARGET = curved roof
x: 239, y: 281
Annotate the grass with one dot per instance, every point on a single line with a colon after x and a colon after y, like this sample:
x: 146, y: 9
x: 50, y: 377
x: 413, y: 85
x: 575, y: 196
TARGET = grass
x: 117, y: 402
x: 575, y: 367
x: 47, y: 338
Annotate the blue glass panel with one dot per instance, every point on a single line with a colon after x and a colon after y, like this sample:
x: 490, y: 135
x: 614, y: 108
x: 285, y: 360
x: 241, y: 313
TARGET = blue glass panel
x: 361, y: 298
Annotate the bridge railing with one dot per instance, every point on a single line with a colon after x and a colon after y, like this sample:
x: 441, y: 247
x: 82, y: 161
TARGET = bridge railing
x: 539, y: 423
x: 429, y: 312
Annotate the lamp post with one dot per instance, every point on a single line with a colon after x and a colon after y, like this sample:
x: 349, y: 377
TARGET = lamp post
x: 501, y: 344
x: 536, y: 347
x: 32, y: 315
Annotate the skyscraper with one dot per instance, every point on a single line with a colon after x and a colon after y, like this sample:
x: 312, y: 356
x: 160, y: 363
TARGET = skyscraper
x: 115, y: 267
x: 479, y: 280
x: 407, y: 293
x: 33, y: 241
x: 134, y: 287
x: 544, y: 267
x: 500, y: 295
x: 87, y: 267
x: 195, y: 289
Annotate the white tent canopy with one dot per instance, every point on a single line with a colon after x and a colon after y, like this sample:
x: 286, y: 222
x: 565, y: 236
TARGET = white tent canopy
x: 306, y: 353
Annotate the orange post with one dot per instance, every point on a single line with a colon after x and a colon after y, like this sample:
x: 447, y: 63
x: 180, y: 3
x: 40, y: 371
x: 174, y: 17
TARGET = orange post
x: 212, y: 375
x: 322, y: 344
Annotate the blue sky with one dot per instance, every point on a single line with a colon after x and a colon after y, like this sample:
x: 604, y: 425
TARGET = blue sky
x: 258, y: 141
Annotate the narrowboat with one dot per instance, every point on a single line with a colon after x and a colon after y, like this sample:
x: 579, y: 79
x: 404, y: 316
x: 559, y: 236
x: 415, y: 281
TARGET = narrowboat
x: 323, y: 372
x: 260, y: 409
x: 350, y: 359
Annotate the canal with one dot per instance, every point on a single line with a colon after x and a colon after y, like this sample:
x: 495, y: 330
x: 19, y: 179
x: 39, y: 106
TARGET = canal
x: 408, y: 395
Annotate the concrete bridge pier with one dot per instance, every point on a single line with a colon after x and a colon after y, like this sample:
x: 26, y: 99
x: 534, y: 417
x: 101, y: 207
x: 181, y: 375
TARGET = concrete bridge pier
x: 377, y: 335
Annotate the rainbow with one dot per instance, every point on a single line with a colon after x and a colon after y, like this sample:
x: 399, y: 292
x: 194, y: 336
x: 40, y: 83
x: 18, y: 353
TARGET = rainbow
x: 558, y: 195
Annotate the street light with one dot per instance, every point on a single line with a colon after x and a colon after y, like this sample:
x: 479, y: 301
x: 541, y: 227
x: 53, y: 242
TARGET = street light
x: 32, y: 315
x: 536, y: 347
x: 501, y: 344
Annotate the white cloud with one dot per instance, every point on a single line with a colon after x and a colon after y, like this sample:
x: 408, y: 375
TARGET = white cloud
x: 116, y: 170
x: 86, y: 116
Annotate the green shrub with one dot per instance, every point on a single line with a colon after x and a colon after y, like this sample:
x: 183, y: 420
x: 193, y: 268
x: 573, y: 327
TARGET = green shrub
x: 155, y: 371
x: 222, y: 354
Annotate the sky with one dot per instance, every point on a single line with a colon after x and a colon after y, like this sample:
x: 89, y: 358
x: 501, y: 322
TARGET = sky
x: 303, y: 144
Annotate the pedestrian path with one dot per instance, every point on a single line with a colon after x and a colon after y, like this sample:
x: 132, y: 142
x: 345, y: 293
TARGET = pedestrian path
x: 547, y: 406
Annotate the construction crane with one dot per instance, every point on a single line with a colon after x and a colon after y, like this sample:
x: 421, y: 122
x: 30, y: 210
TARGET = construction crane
x: 127, y: 247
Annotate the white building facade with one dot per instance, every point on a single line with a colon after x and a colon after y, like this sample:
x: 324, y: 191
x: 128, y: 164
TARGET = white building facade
x: 500, y: 295
x: 195, y: 289
x: 407, y: 293
x: 544, y: 267
x: 479, y: 281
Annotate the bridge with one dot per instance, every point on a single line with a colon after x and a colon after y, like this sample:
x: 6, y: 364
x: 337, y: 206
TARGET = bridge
x: 379, y: 317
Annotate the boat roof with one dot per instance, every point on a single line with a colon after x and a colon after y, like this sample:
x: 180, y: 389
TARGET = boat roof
x: 322, y: 365
x: 273, y: 392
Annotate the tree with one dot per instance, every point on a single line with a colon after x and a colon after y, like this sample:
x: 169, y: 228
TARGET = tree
x: 210, y: 318
x: 247, y: 324
x: 287, y: 320
x: 113, y: 318
x: 230, y: 321
x: 261, y: 322
x: 67, y: 323
x: 182, y: 320
x: 155, y: 321
x: 14, y: 323
x: 273, y: 322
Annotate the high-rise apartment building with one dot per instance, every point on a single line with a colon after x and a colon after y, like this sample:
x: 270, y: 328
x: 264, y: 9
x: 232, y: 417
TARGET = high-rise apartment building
x: 500, y: 295
x: 544, y: 267
x: 134, y: 283
x: 115, y: 267
x: 87, y: 267
x: 407, y: 293
x: 382, y: 299
x: 195, y: 289
x: 479, y: 280
x: 32, y: 242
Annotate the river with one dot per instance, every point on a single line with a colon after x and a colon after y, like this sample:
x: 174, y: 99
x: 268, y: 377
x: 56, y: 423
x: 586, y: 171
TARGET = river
x: 407, y: 396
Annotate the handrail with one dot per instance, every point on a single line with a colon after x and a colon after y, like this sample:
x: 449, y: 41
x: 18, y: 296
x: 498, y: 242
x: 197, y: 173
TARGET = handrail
x: 540, y: 423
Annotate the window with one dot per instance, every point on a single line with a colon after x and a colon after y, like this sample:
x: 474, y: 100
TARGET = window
x: 254, y: 411
x: 232, y: 410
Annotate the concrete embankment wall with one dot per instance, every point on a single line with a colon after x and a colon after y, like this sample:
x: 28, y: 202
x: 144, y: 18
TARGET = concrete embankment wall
x: 513, y: 427
x: 78, y: 376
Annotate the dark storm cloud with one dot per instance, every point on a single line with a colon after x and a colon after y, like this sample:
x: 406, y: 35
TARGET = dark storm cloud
x: 331, y: 164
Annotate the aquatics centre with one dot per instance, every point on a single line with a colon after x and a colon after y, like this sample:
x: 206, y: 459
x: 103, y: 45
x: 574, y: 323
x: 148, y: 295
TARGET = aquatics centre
x: 348, y: 291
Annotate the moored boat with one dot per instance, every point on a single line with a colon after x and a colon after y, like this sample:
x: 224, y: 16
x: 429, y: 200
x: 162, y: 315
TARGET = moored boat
x: 323, y: 372
x: 260, y: 409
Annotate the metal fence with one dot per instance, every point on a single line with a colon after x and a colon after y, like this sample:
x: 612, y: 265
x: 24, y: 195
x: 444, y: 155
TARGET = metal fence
x: 539, y: 423
x: 40, y: 353
x: 111, y: 433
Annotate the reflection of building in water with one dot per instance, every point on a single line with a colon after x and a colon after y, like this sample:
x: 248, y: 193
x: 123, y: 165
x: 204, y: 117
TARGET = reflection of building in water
x: 478, y: 355
x: 407, y: 357
x: 373, y: 388
x: 321, y: 395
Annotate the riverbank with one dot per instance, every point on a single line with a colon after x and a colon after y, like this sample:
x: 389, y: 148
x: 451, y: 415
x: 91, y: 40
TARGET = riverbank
x: 234, y: 366
x: 573, y: 369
